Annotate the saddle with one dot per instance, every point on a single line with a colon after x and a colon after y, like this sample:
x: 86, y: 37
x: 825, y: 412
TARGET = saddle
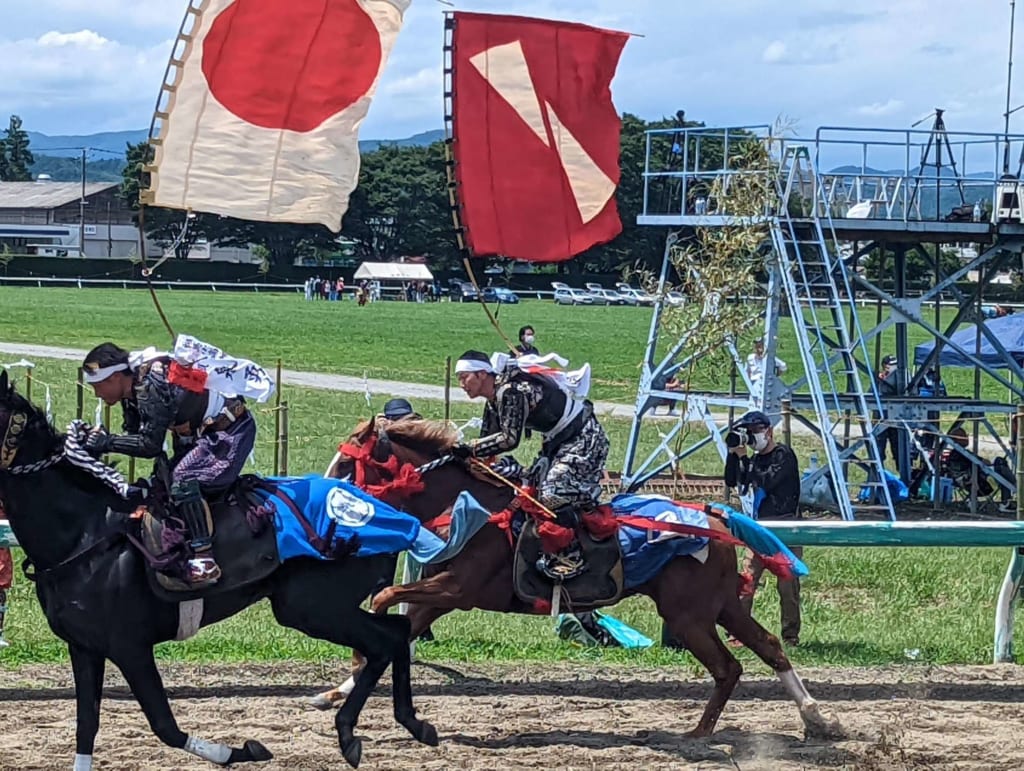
x: 600, y: 584
x: 244, y: 542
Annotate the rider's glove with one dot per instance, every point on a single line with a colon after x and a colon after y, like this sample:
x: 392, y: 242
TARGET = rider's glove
x: 97, y: 442
x: 462, y: 451
x: 508, y: 467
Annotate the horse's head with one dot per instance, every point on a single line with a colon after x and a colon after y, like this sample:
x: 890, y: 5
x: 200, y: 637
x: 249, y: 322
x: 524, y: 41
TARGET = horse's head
x: 25, y: 433
x: 382, y: 456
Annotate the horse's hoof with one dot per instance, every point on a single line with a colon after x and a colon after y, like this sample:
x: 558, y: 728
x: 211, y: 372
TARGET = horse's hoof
x: 818, y: 726
x: 428, y: 735
x: 257, y: 752
x: 352, y: 751
x: 321, y: 702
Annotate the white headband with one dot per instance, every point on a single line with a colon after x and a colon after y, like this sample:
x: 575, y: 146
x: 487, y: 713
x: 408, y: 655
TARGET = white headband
x: 101, y: 374
x: 472, y: 365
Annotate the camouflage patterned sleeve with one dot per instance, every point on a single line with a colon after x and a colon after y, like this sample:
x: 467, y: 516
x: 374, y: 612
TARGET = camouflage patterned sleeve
x: 512, y: 411
x: 157, y: 402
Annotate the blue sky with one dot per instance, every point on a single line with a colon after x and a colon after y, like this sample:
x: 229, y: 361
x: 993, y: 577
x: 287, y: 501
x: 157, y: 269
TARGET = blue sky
x: 81, y: 66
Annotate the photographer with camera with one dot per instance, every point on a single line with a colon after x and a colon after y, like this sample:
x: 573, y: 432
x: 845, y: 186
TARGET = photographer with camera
x: 772, y: 474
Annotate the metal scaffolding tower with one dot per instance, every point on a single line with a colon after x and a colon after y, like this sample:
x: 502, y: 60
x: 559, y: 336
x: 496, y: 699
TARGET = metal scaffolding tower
x: 835, y: 218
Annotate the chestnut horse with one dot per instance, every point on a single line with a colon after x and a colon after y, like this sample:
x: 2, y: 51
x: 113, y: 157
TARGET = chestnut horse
x: 691, y: 597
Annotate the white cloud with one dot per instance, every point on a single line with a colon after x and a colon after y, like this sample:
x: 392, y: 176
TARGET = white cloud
x: 774, y: 52
x: 87, y: 65
x: 878, y: 109
x: 85, y: 38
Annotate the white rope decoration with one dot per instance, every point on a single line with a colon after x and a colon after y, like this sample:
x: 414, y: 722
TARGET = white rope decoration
x: 74, y: 453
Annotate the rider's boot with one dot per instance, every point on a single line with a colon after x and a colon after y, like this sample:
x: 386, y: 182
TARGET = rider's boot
x: 568, y: 563
x: 187, y: 500
x: 3, y: 615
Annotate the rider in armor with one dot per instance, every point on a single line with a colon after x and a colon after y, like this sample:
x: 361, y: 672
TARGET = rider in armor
x: 211, y: 435
x: 574, y: 447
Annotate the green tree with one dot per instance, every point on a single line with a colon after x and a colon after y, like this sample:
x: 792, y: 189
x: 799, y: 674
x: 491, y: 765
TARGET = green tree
x: 401, y: 207
x: 15, y: 157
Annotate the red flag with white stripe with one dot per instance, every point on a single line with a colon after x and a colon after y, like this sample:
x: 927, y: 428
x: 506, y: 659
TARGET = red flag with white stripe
x: 535, y: 135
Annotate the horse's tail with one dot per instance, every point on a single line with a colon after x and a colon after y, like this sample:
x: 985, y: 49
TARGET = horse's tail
x: 773, y: 552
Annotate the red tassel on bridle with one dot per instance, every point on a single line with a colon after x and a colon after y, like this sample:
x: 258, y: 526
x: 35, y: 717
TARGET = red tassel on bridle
x: 395, y: 479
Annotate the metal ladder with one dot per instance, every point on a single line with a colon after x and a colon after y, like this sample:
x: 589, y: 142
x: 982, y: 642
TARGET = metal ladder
x: 818, y: 291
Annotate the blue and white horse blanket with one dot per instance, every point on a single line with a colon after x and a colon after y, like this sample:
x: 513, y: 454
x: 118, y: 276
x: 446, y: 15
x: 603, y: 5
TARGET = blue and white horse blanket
x: 347, y: 520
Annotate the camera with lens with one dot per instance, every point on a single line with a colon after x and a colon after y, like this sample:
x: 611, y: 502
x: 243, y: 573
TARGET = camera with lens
x: 737, y: 437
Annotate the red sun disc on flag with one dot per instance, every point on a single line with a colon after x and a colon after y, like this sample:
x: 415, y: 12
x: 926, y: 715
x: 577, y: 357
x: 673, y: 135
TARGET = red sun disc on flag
x: 291, y: 64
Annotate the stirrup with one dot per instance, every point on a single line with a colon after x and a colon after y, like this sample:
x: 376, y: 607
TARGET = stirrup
x: 203, y: 571
x: 563, y: 566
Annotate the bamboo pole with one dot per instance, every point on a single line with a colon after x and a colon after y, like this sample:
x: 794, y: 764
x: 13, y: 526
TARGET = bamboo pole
x: 447, y: 388
x: 787, y: 423
x: 283, y: 439
x: 277, y: 421
x: 79, y: 396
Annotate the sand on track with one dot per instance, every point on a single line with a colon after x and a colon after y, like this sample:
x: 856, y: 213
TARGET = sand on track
x: 547, y: 716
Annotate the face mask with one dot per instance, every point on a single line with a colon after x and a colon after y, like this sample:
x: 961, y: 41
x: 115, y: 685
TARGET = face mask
x: 528, y: 339
x: 760, y: 441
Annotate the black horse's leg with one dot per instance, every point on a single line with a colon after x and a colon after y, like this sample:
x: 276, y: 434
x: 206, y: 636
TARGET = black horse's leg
x: 384, y: 640
x: 139, y: 669
x: 401, y: 688
x: 88, y: 669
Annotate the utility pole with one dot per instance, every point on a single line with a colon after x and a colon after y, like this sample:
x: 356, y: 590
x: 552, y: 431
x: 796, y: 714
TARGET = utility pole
x: 1009, y: 75
x: 81, y: 211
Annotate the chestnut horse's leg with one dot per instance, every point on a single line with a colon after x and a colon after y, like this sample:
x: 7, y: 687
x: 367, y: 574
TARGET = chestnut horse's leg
x: 429, y: 598
x: 700, y: 636
x: 738, y: 622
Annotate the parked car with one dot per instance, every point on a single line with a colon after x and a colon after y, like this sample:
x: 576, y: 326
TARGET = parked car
x: 570, y: 296
x: 462, y: 291
x: 639, y: 298
x: 675, y: 299
x: 499, y: 294
x: 609, y: 297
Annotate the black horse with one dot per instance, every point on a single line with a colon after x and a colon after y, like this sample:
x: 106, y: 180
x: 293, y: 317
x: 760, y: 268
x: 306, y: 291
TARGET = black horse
x: 93, y: 588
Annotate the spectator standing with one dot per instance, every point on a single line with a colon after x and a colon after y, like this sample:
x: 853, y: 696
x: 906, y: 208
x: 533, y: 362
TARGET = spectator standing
x: 757, y: 365
x: 888, y: 385
x: 773, y: 476
x: 332, y: 290
x: 526, y: 346
x: 340, y: 288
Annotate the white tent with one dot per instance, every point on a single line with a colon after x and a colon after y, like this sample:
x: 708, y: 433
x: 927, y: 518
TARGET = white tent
x: 394, y: 271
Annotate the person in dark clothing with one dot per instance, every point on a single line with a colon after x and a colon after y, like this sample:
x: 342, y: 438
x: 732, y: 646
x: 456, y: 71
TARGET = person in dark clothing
x: 573, y: 451
x: 399, y: 409
x: 888, y: 385
x: 526, y: 339
x: 211, y: 435
x: 773, y: 475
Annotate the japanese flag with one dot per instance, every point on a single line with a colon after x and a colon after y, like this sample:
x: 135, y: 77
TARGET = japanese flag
x: 262, y: 110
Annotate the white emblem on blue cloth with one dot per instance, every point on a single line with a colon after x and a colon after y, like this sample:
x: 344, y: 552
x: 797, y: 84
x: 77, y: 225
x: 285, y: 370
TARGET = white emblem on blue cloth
x: 346, y: 509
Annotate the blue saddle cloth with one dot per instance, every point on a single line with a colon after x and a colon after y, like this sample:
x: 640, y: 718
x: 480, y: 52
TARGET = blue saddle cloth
x: 646, y: 552
x: 341, y: 511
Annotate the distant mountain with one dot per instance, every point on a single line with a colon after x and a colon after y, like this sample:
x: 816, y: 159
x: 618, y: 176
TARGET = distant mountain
x: 70, y: 145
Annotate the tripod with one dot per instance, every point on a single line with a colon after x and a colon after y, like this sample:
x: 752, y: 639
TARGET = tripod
x: 939, y: 145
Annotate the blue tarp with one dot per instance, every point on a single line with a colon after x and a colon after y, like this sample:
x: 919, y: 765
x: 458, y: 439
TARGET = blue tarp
x: 1009, y: 330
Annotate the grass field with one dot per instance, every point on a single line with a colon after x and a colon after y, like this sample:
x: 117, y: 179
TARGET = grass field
x: 861, y: 606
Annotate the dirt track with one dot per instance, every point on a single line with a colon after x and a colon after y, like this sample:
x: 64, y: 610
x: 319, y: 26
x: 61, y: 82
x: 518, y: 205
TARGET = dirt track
x: 561, y: 716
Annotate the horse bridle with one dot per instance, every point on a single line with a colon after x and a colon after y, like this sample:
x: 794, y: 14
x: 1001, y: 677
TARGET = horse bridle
x: 16, y: 423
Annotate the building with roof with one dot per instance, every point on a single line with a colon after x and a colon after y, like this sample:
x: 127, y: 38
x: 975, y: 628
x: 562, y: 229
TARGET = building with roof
x: 63, y: 219
x: 54, y: 219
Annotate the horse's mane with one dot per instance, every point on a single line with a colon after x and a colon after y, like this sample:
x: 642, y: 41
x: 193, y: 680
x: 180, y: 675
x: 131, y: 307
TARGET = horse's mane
x: 430, y: 437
